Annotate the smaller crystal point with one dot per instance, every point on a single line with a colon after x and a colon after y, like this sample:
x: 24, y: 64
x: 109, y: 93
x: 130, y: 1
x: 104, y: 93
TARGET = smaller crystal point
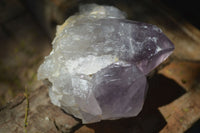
x: 99, y: 62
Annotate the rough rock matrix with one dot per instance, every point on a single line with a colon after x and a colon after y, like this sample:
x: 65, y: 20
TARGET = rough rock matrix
x: 99, y: 62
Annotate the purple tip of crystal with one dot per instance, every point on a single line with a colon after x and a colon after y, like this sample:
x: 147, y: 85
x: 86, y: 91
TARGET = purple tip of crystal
x: 166, y: 47
x: 153, y: 47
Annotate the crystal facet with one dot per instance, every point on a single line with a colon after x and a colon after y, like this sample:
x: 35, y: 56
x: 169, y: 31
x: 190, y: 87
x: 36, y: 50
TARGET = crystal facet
x: 99, y: 62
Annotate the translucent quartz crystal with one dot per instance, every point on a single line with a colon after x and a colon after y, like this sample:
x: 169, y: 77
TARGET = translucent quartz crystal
x: 99, y: 62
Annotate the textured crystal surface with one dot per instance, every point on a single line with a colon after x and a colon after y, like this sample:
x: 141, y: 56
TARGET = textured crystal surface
x: 99, y: 62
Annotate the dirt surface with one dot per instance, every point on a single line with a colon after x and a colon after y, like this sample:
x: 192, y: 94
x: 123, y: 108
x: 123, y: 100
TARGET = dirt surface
x: 23, y: 46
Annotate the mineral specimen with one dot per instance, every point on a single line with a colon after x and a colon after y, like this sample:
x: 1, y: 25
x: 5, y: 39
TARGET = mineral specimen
x: 99, y: 62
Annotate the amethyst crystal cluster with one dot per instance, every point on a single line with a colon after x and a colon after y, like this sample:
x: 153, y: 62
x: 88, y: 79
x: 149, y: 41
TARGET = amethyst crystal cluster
x: 99, y: 62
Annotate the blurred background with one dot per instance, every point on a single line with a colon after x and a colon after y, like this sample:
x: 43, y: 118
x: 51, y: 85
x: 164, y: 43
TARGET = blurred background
x: 27, y: 28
